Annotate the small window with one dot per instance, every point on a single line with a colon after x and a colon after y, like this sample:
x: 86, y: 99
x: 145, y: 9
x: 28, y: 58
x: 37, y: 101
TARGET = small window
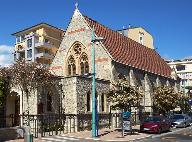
x: 46, y: 51
x: 21, y: 56
x: 88, y: 102
x: 40, y: 108
x: 18, y: 39
x: 15, y: 56
x: 102, y: 102
x: 29, y: 53
x: 49, y: 102
x: 141, y: 36
x: 46, y: 41
x: 180, y: 67
x: 29, y: 43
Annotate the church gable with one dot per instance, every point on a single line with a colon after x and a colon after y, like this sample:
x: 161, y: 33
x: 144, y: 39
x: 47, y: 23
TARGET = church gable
x: 74, y: 55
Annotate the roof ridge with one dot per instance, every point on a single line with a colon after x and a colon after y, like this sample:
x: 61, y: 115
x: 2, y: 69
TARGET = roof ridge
x: 104, y: 25
x: 123, y: 36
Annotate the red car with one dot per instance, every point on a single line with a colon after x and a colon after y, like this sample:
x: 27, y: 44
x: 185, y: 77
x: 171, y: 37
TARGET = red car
x: 155, y: 124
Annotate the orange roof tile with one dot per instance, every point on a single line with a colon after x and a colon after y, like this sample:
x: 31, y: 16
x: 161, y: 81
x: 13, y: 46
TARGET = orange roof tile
x: 129, y: 52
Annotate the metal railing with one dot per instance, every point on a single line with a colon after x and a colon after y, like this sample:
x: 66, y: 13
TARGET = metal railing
x: 55, y: 124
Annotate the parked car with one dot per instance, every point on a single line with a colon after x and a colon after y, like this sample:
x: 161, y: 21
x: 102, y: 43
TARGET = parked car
x: 180, y: 120
x: 155, y: 124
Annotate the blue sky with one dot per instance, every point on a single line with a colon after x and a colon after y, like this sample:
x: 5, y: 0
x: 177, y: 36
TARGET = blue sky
x: 169, y: 21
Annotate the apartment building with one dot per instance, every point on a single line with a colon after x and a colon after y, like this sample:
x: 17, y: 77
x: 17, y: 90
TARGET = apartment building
x: 139, y: 35
x: 38, y: 43
x: 183, y: 68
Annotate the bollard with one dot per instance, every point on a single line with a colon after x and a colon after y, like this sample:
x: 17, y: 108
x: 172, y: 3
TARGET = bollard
x: 28, y: 137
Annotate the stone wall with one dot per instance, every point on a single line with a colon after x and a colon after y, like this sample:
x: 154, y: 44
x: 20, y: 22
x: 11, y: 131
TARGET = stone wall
x: 75, y: 93
x: 70, y: 96
x: 84, y: 85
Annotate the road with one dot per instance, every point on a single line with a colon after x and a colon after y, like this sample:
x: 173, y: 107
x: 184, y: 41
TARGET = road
x: 63, y: 139
x: 183, y: 135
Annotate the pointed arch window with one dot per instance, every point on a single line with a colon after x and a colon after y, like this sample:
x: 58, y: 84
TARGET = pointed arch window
x: 84, y: 65
x: 88, y: 101
x: 49, y: 102
x: 71, y: 66
x: 102, y: 102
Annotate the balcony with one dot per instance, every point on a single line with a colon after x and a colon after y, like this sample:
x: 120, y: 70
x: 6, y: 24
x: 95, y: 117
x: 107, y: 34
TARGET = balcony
x: 43, y: 55
x: 43, y: 44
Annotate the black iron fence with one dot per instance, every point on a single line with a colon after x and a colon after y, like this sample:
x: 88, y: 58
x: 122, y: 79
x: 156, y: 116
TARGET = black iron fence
x: 55, y: 124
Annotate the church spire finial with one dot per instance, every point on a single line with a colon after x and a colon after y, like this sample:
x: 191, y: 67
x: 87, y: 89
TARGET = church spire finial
x: 76, y: 5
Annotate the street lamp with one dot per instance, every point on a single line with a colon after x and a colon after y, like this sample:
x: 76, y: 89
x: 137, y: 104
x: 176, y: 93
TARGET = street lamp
x: 94, y: 103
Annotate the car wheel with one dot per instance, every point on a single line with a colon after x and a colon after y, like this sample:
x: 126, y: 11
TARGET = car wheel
x: 184, y: 125
x: 159, y: 131
x: 169, y: 129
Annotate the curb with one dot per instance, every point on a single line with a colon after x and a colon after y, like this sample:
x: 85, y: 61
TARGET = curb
x: 98, y: 139
x: 87, y: 138
x: 131, y: 140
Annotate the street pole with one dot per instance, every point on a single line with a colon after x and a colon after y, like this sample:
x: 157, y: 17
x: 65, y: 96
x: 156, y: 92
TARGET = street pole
x: 93, y: 88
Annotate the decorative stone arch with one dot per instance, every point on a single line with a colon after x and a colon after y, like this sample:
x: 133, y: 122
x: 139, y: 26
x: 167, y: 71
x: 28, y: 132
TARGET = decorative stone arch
x: 77, y: 50
x: 84, y: 63
x: 71, y: 65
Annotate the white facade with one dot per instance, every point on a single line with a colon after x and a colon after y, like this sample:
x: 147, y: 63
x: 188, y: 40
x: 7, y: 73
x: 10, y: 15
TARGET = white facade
x: 183, y: 68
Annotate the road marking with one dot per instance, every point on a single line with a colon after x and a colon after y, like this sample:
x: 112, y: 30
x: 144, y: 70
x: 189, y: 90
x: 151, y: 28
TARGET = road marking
x: 58, y: 139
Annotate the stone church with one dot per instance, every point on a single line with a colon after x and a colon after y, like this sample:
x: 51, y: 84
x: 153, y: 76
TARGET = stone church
x: 115, y: 56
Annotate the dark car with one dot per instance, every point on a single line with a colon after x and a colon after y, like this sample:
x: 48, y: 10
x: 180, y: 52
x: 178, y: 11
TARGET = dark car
x: 155, y: 124
x: 180, y: 120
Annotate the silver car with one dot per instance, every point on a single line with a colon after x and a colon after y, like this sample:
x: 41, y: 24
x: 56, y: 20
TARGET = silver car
x: 180, y: 120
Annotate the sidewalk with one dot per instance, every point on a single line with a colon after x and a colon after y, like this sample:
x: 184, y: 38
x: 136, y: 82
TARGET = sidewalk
x: 111, y: 135
x: 104, y: 135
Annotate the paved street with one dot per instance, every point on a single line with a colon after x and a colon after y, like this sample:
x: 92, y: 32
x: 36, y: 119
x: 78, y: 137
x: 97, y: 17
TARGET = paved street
x: 63, y: 139
x: 185, y: 135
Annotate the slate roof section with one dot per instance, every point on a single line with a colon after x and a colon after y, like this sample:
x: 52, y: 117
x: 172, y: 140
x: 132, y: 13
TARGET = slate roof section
x: 129, y: 52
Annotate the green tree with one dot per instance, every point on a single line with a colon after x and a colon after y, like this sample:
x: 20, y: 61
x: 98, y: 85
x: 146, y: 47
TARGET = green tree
x: 165, y: 99
x: 122, y: 96
x: 184, y: 103
x: 5, y: 85
x: 30, y: 77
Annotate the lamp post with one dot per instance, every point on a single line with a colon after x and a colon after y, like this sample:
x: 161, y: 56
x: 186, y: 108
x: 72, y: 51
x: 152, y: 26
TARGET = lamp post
x: 94, y: 102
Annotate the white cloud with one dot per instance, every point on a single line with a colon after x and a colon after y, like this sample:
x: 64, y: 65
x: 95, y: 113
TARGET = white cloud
x: 6, y: 56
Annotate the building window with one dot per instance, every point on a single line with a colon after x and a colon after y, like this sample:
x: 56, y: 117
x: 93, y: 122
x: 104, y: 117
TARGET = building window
x: 46, y: 41
x: 49, y: 102
x: 88, y: 102
x: 40, y: 108
x: 77, y: 49
x: 29, y: 43
x: 29, y: 53
x: 18, y: 39
x: 84, y: 64
x: 71, y: 66
x: 46, y: 51
x: 15, y: 56
x: 141, y: 36
x: 102, y: 102
x: 180, y: 67
x: 21, y: 56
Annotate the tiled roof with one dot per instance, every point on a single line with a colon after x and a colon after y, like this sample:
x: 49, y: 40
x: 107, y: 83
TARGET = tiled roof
x: 129, y: 52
